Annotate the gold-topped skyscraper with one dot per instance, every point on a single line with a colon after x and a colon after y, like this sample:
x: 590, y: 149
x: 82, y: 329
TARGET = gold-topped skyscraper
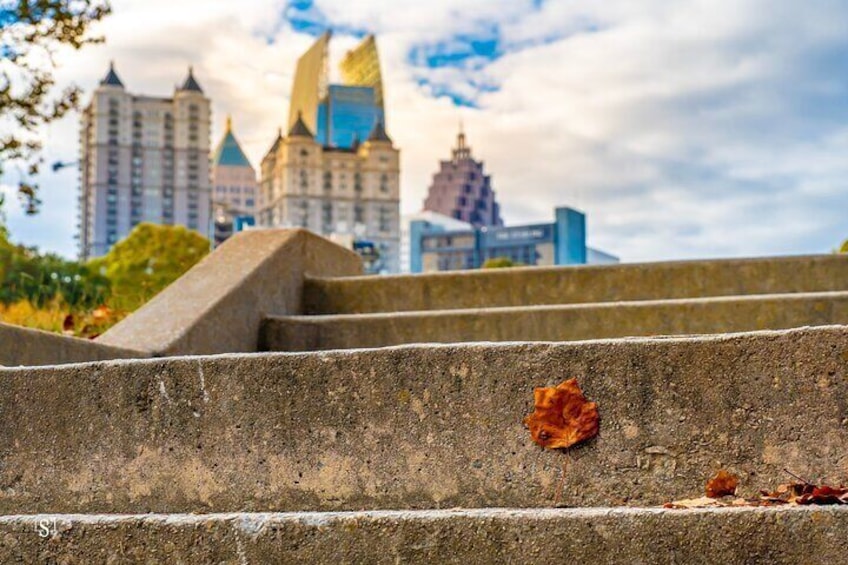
x: 361, y: 67
x: 311, y: 78
x: 338, y: 115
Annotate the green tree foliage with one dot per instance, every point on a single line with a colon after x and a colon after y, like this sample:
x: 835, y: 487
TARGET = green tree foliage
x: 150, y: 258
x: 844, y: 248
x: 27, y: 275
x: 31, y: 34
x: 499, y: 263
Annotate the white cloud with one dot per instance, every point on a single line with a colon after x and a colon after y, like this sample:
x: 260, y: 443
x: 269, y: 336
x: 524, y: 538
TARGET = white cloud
x: 687, y: 129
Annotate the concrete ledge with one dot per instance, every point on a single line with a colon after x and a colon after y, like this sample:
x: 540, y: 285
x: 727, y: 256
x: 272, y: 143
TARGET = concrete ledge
x: 25, y: 346
x: 556, y: 323
x: 578, y: 284
x: 599, y: 535
x: 422, y: 427
x: 217, y: 306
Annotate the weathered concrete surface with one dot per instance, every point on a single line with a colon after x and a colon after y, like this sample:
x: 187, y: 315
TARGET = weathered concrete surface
x: 26, y: 346
x: 218, y: 305
x: 422, y: 427
x: 572, y: 285
x: 599, y: 535
x: 556, y: 323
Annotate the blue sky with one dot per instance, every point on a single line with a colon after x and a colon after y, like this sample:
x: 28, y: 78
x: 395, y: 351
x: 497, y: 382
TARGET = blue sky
x: 688, y: 129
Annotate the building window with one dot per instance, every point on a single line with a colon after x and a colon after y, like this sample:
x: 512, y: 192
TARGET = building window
x: 384, y: 183
x: 358, y: 214
x: 384, y: 219
x: 327, y: 217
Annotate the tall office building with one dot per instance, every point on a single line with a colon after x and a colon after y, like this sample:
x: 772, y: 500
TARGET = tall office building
x: 361, y: 67
x: 339, y: 115
x: 461, y: 190
x: 235, y: 189
x: 143, y: 159
x: 337, y: 171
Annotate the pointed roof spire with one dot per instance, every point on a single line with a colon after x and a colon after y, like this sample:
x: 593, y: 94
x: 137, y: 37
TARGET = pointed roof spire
x: 299, y: 128
x: 277, y: 141
x: 229, y: 123
x: 111, y: 78
x: 190, y: 82
x: 379, y: 133
x: 462, y: 151
x: 229, y: 153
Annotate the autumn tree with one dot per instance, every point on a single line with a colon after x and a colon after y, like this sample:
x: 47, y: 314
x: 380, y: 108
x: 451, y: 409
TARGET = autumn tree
x: 150, y: 258
x: 844, y: 248
x: 31, y: 34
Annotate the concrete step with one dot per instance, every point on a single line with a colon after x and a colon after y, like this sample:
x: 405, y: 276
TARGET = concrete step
x: 489, y: 288
x: 593, y: 535
x: 422, y: 427
x: 556, y: 323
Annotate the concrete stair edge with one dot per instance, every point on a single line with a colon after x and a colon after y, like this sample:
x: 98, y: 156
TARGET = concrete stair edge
x: 565, y: 322
x: 590, y: 535
x: 574, y: 284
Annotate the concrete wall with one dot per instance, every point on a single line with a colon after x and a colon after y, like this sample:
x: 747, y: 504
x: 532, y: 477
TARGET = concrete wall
x: 217, y: 306
x: 422, y: 427
x: 572, y: 285
x: 557, y: 323
x: 25, y: 346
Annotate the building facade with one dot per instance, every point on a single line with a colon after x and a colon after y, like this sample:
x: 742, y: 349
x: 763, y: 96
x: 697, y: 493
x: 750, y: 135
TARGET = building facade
x: 142, y: 159
x: 235, y: 189
x: 335, y: 192
x: 425, y: 221
x: 434, y: 247
x: 337, y: 172
x: 347, y: 115
x: 461, y: 189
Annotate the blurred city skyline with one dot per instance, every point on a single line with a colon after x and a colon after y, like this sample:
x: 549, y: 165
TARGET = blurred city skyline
x: 698, y: 129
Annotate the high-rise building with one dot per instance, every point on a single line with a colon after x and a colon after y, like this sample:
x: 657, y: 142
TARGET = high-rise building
x: 235, y: 189
x: 142, y: 159
x: 361, y: 67
x: 337, y: 171
x: 347, y: 115
x: 461, y: 190
x: 339, y: 115
x: 335, y: 191
x: 311, y: 79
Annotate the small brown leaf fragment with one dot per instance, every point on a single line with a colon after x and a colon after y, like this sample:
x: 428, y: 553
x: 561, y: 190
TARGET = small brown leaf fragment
x: 723, y: 484
x: 562, y: 416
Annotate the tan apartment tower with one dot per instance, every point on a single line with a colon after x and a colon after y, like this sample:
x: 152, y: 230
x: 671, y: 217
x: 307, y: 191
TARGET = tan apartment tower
x: 142, y: 159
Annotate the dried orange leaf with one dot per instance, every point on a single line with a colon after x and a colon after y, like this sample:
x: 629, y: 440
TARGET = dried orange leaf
x: 722, y: 484
x: 562, y: 416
